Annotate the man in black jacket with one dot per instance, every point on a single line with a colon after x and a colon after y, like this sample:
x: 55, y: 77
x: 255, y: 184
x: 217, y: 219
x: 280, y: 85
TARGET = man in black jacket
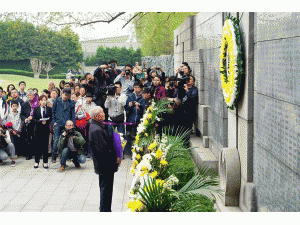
x: 27, y: 134
x: 104, y: 157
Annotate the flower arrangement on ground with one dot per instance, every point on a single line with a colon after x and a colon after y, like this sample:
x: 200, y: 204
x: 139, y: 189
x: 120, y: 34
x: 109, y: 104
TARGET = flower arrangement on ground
x: 157, y: 186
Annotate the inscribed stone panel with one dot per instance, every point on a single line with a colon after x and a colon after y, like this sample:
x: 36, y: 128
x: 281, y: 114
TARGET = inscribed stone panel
x: 204, y: 16
x: 277, y: 187
x: 277, y: 25
x: 277, y: 129
x: 277, y: 69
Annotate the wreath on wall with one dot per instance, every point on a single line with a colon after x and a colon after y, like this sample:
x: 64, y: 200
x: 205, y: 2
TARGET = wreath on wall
x: 231, y: 63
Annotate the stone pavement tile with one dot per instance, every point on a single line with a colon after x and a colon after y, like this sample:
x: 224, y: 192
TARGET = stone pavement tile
x: 5, y: 198
x: 63, y: 190
x: 31, y: 210
x: 116, y: 205
x: 52, y: 208
x: 91, y: 207
x: 57, y: 200
x: 21, y: 199
x: 13, y: 207
x: 93, y: 199
x: 73, y: 205
x: 37, y: 203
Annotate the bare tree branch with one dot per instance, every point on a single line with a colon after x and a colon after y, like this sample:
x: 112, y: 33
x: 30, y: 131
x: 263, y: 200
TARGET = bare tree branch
x: 131, y: 19
x: 169, y: 16
x: 91, y: 22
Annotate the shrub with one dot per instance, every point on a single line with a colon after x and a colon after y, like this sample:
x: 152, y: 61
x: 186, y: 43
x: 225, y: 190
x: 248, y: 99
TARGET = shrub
x: 16, y: 72
x: 194, y: 203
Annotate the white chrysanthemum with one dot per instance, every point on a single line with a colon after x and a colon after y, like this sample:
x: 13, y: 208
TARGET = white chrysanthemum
x: 147, y: 157
x: 144, y: 163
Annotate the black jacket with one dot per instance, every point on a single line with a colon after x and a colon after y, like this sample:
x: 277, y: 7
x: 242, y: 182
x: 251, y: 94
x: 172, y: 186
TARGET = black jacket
x: 103, y: 151
x: 25, y: 110
x: 37, y: 116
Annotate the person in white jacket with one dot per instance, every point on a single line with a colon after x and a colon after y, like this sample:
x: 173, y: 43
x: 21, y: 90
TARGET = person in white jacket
x: 115, y: 105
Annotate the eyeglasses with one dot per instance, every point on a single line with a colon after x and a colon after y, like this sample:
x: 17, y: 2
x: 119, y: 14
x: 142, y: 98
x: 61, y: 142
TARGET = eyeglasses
x: 69, y: 125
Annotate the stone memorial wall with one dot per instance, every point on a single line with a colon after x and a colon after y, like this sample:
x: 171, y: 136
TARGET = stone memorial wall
x: 264, y: 127
x: 277, y: 111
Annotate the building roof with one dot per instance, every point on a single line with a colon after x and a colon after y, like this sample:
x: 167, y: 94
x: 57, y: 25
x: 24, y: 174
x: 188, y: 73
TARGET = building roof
x: 118, y: 39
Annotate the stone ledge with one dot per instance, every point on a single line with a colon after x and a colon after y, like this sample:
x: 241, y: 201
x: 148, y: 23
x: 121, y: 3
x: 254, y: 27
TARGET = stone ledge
x: 203, y: 156
x: 221, y: 208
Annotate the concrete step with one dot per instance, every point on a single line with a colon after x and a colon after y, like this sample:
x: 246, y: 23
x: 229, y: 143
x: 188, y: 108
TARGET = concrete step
x: 203, y: 156
x: 219, y: 206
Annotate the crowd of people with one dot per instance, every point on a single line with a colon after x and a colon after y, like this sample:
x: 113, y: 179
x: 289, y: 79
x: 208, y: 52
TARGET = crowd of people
x: 67, y: 121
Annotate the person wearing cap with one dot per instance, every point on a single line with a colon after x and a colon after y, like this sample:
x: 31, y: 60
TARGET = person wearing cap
x: 63, y: 109
x: 146, y: 93
x: 88, y: 105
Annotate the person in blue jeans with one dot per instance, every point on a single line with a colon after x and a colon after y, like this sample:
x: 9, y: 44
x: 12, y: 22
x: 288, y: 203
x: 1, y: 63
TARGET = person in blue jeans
x: 70, y: 146
x: 63, y: 109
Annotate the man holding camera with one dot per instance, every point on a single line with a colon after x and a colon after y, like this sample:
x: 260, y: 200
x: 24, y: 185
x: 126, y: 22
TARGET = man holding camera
x: 115, y: 102
x: 70, y: 146
x: 63, y: 110
x: 126, y: 79
x: 134, y: 107
x: 92, y: 84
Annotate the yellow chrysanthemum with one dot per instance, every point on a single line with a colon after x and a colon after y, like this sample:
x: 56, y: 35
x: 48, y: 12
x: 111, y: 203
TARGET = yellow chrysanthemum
x: 163, y: 162
x: 149, y: 115
x: 137, y: 138
x: 152, y: 146
x: 138, y: 156
x: 158, y: 154
x: 154, y: 174
x: 146, y: 134
x: 158, y: 181
x: 146, y: 122
x: 134, y: 205
x: 132, y: 171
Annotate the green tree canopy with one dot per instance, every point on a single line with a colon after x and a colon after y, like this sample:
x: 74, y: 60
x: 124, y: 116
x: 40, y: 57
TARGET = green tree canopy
x: 155, y: 31
x: 122, y: 55
x: 20, y: 41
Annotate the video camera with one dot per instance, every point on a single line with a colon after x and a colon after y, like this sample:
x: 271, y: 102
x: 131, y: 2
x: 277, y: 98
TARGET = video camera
x: 111, y: 90
x: 70, y: 132
x: 182, y: 81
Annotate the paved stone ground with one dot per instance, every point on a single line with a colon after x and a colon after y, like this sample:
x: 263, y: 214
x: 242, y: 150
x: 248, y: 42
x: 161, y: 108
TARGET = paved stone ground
x: 25, y: 189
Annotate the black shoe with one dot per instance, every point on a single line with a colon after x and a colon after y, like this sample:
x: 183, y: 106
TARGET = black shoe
x: 53, y: 159
x: 28, y: 157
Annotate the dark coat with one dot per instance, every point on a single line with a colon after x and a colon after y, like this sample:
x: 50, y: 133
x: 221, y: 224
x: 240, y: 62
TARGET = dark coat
x: 42, y: 131
x: 103, y: 151
x: 41, y: 128
x: 134, y: 114
x: 25, y: 110
x: 63, y: 111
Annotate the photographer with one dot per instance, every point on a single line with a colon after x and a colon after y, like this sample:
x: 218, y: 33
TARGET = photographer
x: 134, y: 107
x: 190, y: 101
x: 126, y: 79
x: 70, y: 146
x: 115, y: 103
x: 146, y: 93
x: 171, y: 86
x: 6, y: 146
x: 92, y: 85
